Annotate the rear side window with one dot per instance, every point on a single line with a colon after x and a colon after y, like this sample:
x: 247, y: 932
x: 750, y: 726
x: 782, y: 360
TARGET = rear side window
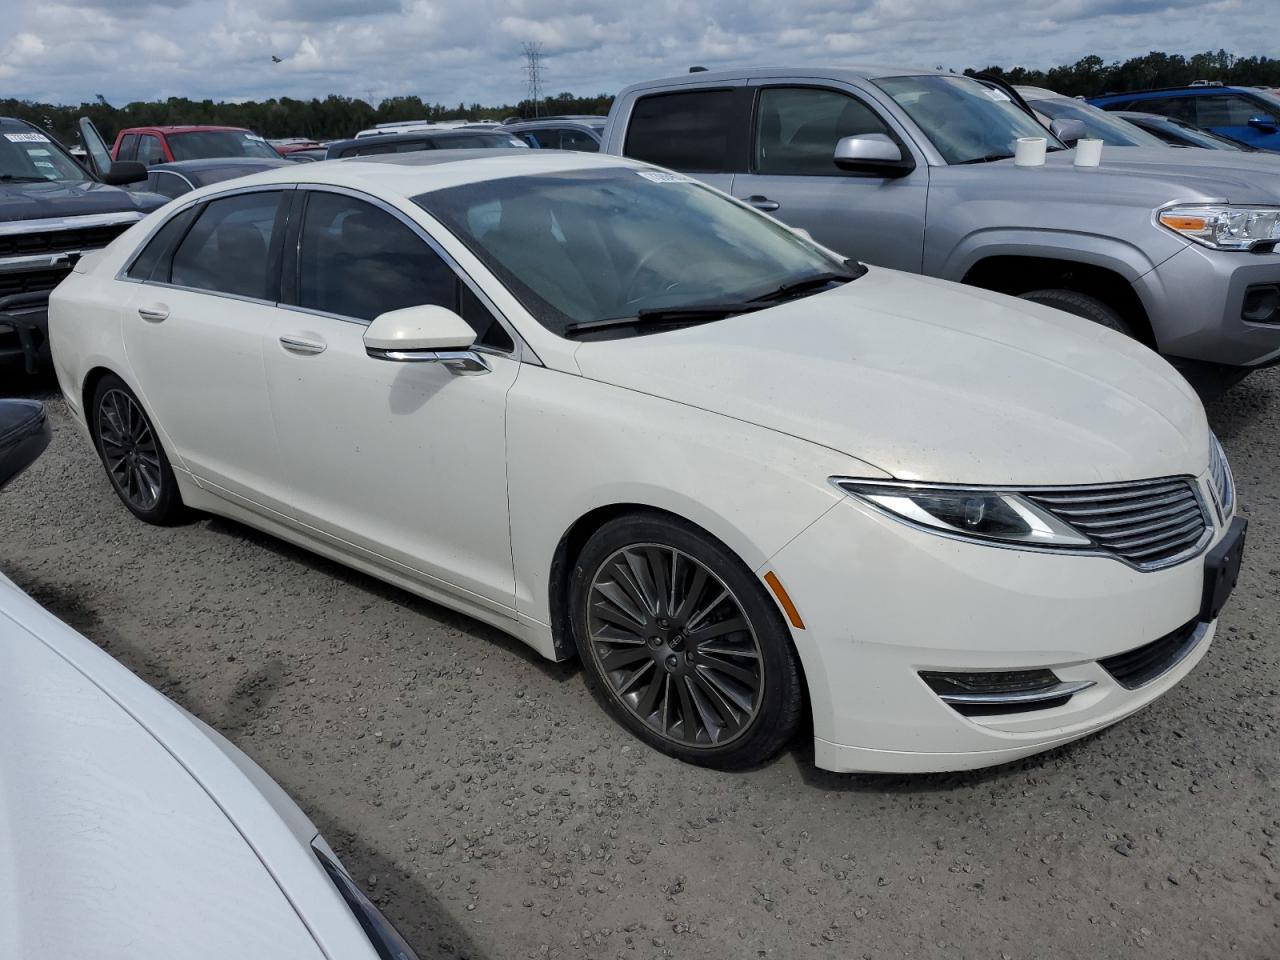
x: 1180, y: 108
x: 168, y: 184
x: 571, y: 139
x: 149, y: 150
x: 128, y: 146
x: 797, y: 128
x: 358, y: 261
x: 228, y: 248
x: 153, y: 262
x: 685, y: 131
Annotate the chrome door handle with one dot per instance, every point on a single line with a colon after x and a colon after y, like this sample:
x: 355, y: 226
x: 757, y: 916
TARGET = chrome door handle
x: 763, y: 203
x: 306, y: 348
x: 154, y: 314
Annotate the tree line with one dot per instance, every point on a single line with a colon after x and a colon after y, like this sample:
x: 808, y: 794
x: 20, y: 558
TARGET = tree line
x: 336, y: 116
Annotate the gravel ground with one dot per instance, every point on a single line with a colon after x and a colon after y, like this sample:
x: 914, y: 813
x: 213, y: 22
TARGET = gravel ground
x: 492, y: 812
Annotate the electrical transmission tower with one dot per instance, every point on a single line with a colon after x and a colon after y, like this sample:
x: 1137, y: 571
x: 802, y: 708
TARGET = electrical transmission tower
x: 533, y: 65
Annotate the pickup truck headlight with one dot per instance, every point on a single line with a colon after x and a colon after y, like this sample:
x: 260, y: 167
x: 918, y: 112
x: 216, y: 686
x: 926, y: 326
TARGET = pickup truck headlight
x: 972, y: 513
x: 1223, y: 226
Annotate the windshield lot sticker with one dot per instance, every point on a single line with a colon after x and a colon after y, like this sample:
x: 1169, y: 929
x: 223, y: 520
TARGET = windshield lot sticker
x: 26, y: 138
x: 996, y: 95
x: 659, y: 176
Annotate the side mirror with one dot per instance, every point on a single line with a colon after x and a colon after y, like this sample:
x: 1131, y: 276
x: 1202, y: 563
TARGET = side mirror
x: 124, y: 171
x: 872, y: 153
x: 425, y: 334
x: 1264, y: 122
x: 1069, y: 131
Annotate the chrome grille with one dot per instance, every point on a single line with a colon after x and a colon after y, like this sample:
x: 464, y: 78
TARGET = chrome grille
x: 1224, y: 487
x: 1148, y: 523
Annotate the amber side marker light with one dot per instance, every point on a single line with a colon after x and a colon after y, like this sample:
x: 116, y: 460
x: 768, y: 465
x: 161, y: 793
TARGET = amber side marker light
x: 788, y: 607
x: 1175, y: 222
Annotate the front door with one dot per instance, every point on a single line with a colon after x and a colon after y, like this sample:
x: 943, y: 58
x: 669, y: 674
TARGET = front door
x: 404, y: 461
x: 193, y: 329
x: 793, y: 177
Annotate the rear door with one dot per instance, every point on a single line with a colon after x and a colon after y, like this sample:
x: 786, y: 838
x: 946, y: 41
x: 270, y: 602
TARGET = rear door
x: 700, y: 131
x: 792, y: 175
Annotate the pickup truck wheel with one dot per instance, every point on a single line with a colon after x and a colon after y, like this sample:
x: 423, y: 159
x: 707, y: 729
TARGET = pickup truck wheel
x: 1081, y: 305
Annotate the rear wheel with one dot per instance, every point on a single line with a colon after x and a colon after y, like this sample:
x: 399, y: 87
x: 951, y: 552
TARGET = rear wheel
x: 682, y: 645
x: 1082, y: 305
x: 131, y: 453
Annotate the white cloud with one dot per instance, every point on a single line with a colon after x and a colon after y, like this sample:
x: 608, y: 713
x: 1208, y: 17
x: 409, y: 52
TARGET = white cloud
x: 469, y: 50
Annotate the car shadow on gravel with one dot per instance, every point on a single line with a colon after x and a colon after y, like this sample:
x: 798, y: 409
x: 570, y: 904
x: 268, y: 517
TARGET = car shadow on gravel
x: 1239, y: 406
x: 16, y: 382
x: 405, y: 900
x: 476, y: 629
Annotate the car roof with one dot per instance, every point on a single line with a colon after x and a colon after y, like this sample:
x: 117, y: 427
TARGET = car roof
x: 187, y: 128
x: 206, y: 163
x: 848, y: 71
x: 1039, y: 93
x: 588, y: 120
x: 411, y: 174
x: 1174, y: 91
x: 13, y: 123
x: 413, y: 136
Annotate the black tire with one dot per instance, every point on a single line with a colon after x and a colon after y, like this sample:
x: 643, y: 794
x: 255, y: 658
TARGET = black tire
x: 1082, y: 305
x: 132, y: 455
x: 701, y: 656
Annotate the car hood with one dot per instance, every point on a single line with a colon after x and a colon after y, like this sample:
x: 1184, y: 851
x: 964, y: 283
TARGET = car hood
x: 1157, y: 175
x: 929, y: 380
x: 41, y: 201
x: 112, y: 847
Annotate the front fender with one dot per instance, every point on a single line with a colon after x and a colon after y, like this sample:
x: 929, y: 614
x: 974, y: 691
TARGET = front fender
x: 1125, y: 258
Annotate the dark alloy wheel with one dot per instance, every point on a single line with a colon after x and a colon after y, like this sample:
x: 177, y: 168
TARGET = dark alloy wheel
x: 131, y: 453
x: 683, y: 645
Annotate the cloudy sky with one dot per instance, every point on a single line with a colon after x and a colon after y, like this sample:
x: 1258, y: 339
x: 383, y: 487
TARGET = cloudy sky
x: 469, y: 50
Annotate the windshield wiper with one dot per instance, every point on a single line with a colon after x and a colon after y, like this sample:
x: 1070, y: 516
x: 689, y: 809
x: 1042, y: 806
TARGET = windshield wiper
x: 814, y: 282
x: 21, y: 178
x: 988, y: 158
x: 696, y: 313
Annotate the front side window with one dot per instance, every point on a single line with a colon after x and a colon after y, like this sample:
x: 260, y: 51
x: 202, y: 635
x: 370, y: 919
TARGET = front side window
x: 149, y: 150
x: 967, y: 121
x: 1226, y: 110
x: 358, y: 261
x: 797, y: 128
x: 684, y: 131
x: 128, y: 147
x: 228, y: 248
x: 590, y: 245
x: 199, y: 144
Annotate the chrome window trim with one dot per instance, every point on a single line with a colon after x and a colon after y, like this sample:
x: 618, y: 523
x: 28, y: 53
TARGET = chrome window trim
x: 1193, y: 551
x: 50, y: 224
x: 520, y: 352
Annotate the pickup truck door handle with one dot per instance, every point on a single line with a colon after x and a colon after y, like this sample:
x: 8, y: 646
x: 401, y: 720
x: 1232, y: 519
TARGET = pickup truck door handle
x: 303, y: 347
x: 154, y: 313
x: 763, y: 203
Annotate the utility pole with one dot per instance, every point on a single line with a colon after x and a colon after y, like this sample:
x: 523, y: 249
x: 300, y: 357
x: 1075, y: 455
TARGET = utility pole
x: 533, y: 65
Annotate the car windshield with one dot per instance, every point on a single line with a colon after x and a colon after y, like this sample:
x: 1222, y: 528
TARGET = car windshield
x: 198, y: 144
x: 1099, y: 124
x: 594, y: 245
x: 967, y: 121
x: 28, y: 156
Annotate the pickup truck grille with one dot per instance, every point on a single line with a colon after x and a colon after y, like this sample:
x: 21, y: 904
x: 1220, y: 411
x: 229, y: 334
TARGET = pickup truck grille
x: 58, y: 241
x: 1150, y: 523
x: 32, y: 281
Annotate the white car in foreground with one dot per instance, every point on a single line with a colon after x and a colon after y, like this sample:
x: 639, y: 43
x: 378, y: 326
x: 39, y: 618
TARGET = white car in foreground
x: 132, y: 831
x: 614, y: 412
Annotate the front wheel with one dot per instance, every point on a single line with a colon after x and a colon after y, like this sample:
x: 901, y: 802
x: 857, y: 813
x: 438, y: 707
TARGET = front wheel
x: 1081, y: 305
x: 130, y: 450
x: 682, y: 645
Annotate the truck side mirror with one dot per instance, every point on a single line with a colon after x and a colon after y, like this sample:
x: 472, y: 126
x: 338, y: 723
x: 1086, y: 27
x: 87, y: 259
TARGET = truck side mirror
x: 872, y: 153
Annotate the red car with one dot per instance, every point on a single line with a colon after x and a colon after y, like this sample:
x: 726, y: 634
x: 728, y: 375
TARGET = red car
x: 165, y: 144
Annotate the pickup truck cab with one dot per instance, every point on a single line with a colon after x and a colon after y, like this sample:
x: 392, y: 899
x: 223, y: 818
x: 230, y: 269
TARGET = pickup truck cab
x: 151, y: 145
x: 52, y: 212
x: 914, y: 170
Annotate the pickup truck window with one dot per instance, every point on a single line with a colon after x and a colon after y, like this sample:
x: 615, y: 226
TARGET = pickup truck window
x: 128, y: 147
x: 965, y: 120
x: 149, y: 150
x: 797, y: 128
x: 690, y: 131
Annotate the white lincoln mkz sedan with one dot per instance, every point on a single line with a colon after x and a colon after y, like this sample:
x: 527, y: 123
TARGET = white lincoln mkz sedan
x: 625, y: 417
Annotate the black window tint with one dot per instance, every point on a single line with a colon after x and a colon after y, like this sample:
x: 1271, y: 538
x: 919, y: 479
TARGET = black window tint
x: 227, y: 249
x: 571, y: 139
x: 128, y: 146
x: 1226, y: 110
x: 149, y: 150
x: 488, y: 330
x: 168, y: 184
x: 797, y: 128
x: 685, y: 131
x: 359, y: 261
x: 156, y: 253
x: 1180, y: 108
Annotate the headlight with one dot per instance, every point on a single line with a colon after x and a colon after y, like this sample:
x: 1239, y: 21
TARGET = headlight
x: 969, y: 512
x: 1224, y: 227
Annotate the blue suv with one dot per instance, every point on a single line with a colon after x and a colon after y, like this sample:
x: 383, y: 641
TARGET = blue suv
x: 1244, y: 114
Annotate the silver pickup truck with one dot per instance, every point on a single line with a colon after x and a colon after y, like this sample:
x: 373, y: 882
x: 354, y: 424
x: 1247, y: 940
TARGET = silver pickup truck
x: 914, y: 170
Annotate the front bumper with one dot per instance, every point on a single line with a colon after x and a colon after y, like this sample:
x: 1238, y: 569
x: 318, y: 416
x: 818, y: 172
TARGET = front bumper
x: 1195, y: 300
x: 882, y: 602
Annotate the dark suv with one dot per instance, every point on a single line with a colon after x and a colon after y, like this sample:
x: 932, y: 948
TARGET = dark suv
x: 52, y: 211
x: 1243, y: 114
